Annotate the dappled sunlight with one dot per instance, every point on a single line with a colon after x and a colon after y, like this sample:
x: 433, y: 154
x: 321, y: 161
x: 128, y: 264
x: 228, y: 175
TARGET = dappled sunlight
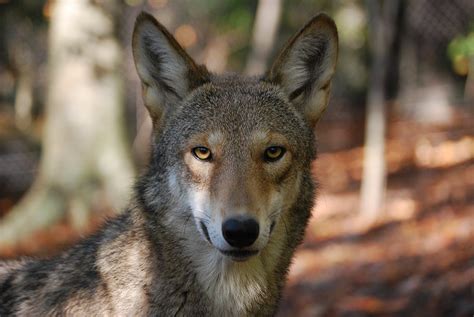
x: 444, y: 154
x: 402, y: 207
x: 381, y: 270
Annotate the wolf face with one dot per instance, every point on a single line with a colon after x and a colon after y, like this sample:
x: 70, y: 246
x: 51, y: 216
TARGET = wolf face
x: 236, y: 148
x: 239, y: 162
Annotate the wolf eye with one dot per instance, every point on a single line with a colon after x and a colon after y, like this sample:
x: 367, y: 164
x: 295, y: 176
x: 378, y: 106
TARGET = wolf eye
x: 202, y: 153
x: 274, y: 153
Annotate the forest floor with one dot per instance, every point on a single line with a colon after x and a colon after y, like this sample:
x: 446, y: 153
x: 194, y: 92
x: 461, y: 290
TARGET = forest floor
x: 417, y: 260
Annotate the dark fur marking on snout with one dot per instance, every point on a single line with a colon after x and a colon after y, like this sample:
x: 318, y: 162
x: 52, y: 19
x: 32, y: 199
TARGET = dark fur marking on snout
x: 272, y: 226
x: 206, y: 233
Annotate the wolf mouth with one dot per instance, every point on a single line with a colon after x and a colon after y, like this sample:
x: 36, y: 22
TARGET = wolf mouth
x: 236, y: 255
x: 239, y: 255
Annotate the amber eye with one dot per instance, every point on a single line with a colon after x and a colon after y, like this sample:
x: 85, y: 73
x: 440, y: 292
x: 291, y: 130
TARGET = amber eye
x: 202, y: 153
x: 274, y: 153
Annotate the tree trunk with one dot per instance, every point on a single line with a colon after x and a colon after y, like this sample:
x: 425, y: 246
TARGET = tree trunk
x: 381, y: 19
x: 265, y: 27
x: 84, y: 146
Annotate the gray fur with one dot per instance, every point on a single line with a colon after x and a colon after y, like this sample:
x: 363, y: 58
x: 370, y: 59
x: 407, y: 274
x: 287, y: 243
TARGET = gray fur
x: 151, y: 260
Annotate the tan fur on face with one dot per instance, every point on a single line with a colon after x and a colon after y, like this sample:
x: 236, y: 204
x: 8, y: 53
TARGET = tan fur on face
x: 200, y: 171
x: 244, y: 183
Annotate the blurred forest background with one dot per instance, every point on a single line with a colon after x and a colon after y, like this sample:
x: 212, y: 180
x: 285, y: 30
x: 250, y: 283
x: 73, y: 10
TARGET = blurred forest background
x: 393, y: 230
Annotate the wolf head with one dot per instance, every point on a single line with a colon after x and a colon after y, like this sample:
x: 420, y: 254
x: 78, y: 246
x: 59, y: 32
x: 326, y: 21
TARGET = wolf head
x: 233, y: 151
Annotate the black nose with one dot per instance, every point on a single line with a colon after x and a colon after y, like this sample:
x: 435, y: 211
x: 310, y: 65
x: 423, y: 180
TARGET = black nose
x: 240, y: 232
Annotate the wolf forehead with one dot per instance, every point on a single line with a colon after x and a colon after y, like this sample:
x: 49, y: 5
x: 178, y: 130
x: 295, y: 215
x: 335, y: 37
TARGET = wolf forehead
x: 237, y: 106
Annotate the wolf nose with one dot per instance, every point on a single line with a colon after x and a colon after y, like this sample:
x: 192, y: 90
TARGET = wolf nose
x: 240, y: 233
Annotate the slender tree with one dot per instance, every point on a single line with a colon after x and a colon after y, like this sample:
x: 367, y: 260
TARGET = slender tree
x: 381, y: 16
x: 265, y: 29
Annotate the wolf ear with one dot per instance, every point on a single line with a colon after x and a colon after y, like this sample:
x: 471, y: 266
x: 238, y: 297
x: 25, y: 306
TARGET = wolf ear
x: 305, y: 66
x: 166, y: 71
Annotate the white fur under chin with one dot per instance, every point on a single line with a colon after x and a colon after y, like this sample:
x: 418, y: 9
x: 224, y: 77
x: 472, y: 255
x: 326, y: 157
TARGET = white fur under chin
x: 233, y: 287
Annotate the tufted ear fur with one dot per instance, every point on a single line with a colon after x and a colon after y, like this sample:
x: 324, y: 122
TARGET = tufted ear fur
x: 166, y: 71
x: 305, y: 66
